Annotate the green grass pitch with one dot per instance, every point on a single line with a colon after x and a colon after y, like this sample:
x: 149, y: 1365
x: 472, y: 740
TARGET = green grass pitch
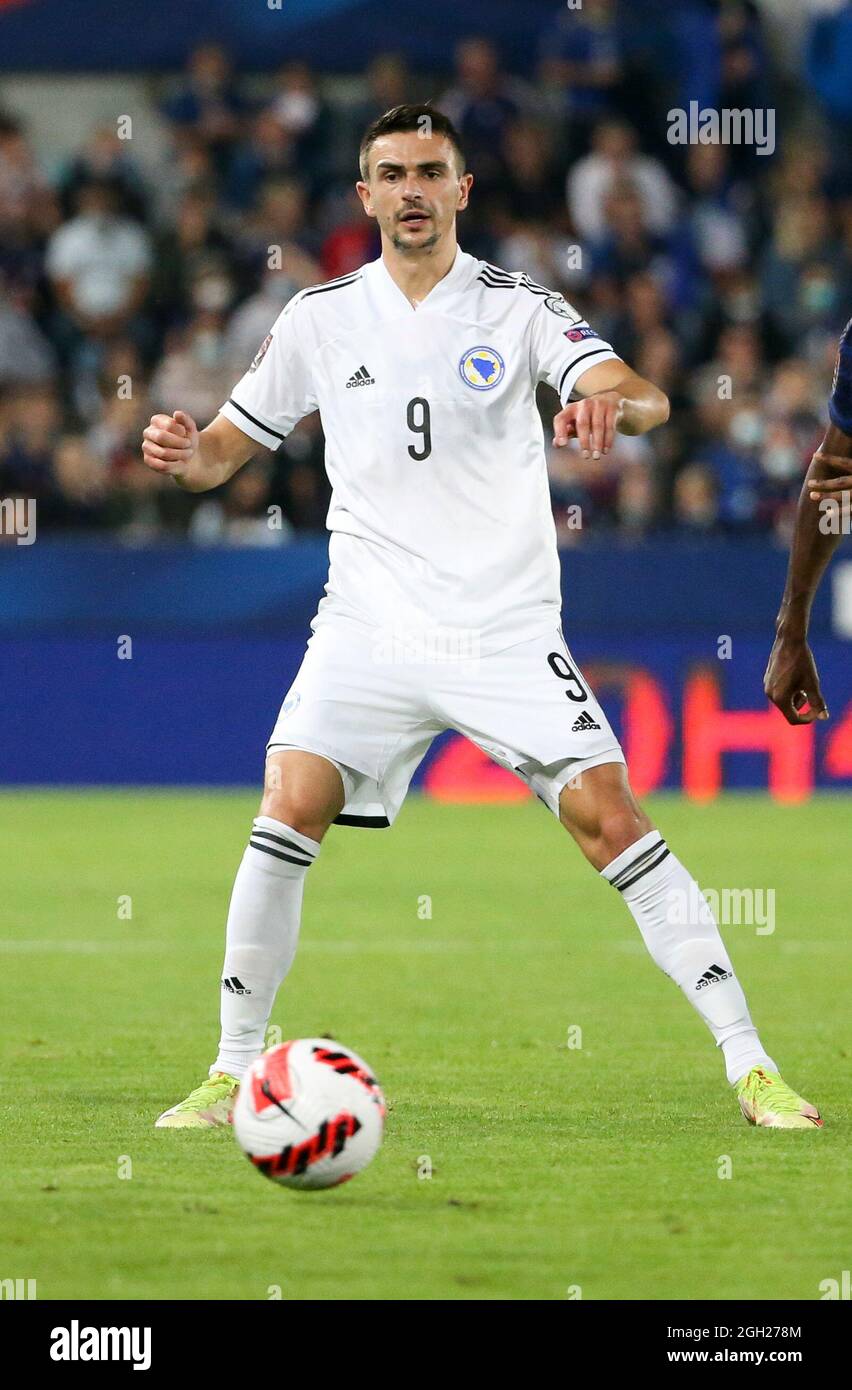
x: 553, y: 1167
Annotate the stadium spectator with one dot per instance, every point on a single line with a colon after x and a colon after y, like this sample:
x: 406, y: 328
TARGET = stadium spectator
x: 805, y: 277
x: 299, y: 483
x: 194, y: 244
x: 828, y: 63
x: 743, y: 73
x: 482, y: 105
x: 82, y: 499
x: 532, y: 185
x: 209, y: 102
x: 29, y: 211
x: 301, y: 111
x: 269, y: 154
x: 534, y: 249
x: 352, y: 238
x: 186, y: 170
x: 636, y: 500
x: 113, y: 432
x: 26, y: 355
x: 241, y: 516
x: 100, y: 264
x: 105, y: 158
x: 251, y: 322
x: 581, y: 65
x: 31, y: 427
x: 628, y: 247
x: 26, y: 199
x: 716, y: 214
x: 195, y: 372
x: 696, y: 507
x: 614, y: 160
x: 277, y: 224
x: 388, y: 82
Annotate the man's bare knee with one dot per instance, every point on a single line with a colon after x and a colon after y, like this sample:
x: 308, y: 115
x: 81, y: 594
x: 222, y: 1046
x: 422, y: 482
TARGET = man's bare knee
x: 602, y: 814
x: 302, y: 790
x: 619, y: 828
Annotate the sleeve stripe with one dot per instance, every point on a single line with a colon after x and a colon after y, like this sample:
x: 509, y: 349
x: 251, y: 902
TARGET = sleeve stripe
x: 276, y: 434
x: 595, y: 352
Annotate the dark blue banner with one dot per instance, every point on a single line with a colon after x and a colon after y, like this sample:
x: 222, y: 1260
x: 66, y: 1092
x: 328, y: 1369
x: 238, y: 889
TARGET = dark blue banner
x: 167, y: 666
x: 609, y: 586
x: 198, y: 710
x: 334, y: 35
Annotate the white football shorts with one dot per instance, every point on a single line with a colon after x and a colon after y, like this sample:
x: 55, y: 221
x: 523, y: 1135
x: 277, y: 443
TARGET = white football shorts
x: 372, y: 705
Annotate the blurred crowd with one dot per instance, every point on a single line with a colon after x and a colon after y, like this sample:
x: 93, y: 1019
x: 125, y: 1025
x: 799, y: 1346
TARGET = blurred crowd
x: 722, y: 275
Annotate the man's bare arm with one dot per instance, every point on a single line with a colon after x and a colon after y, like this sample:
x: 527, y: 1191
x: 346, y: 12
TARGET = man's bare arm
x: 791, y: 680
x: 812, y: 547
x: 614, y: 398
x: 198, y: 461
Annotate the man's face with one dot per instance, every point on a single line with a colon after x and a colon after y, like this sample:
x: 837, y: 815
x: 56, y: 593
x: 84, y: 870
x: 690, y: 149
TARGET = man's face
x: 414, y: 189
x: 97, y: 202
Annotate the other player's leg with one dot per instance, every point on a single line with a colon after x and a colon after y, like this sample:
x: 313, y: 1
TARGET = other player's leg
x: 303, y: 794
x: 599, y: 810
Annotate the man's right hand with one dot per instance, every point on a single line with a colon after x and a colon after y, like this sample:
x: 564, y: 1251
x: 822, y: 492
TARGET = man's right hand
x: 791, y: 681
x: 829, y: 487
x: 170, y: 443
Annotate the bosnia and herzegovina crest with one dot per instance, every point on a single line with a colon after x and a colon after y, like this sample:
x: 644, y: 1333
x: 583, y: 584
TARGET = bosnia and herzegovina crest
x: 482, y: 368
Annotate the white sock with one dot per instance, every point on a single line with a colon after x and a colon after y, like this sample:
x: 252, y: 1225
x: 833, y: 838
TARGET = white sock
x: 681, y: 934
x: 261, y: 937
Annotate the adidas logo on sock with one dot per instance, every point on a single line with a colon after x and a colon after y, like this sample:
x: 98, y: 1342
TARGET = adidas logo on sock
x: 361, y: 378
x: 235, y: 986
x: 584, y: 721
x: 713, y: 976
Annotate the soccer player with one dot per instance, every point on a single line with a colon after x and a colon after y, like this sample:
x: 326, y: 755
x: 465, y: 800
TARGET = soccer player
x: 791, y: 680
x: 442, y: 606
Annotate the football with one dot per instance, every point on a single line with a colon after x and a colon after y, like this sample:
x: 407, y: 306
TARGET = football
x: 309, y: 1114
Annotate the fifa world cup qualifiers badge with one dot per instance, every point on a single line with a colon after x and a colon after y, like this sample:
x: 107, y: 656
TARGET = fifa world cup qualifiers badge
x: 261, y: 353
x: 558, y: 305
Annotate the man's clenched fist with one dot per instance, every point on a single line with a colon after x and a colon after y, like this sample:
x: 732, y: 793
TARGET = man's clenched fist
x: 791, y: 681
x: 170, y: 443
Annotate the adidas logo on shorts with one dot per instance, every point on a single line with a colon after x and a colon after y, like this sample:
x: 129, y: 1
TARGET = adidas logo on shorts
x: 361, y: 378
x: 582, y: 722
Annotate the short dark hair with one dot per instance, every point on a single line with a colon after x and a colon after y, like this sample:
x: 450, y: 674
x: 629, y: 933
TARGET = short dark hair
x: 410, y: 116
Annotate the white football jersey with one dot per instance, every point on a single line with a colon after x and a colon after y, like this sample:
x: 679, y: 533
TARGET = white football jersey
x: 440, y: 515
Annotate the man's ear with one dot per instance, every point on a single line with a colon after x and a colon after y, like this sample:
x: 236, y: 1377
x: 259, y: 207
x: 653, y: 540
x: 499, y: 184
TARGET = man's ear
x: 363, y: 191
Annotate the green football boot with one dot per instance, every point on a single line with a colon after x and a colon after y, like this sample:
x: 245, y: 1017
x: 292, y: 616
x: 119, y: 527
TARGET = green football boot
x: 209, y: 1105
x: 767, y: 1100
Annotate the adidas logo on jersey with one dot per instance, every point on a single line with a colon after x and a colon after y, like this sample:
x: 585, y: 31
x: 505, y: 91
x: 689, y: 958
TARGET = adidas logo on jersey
x: 361, y: 378
x: 583, y: 721
x: 713, y: 976
x: 234, y: 986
